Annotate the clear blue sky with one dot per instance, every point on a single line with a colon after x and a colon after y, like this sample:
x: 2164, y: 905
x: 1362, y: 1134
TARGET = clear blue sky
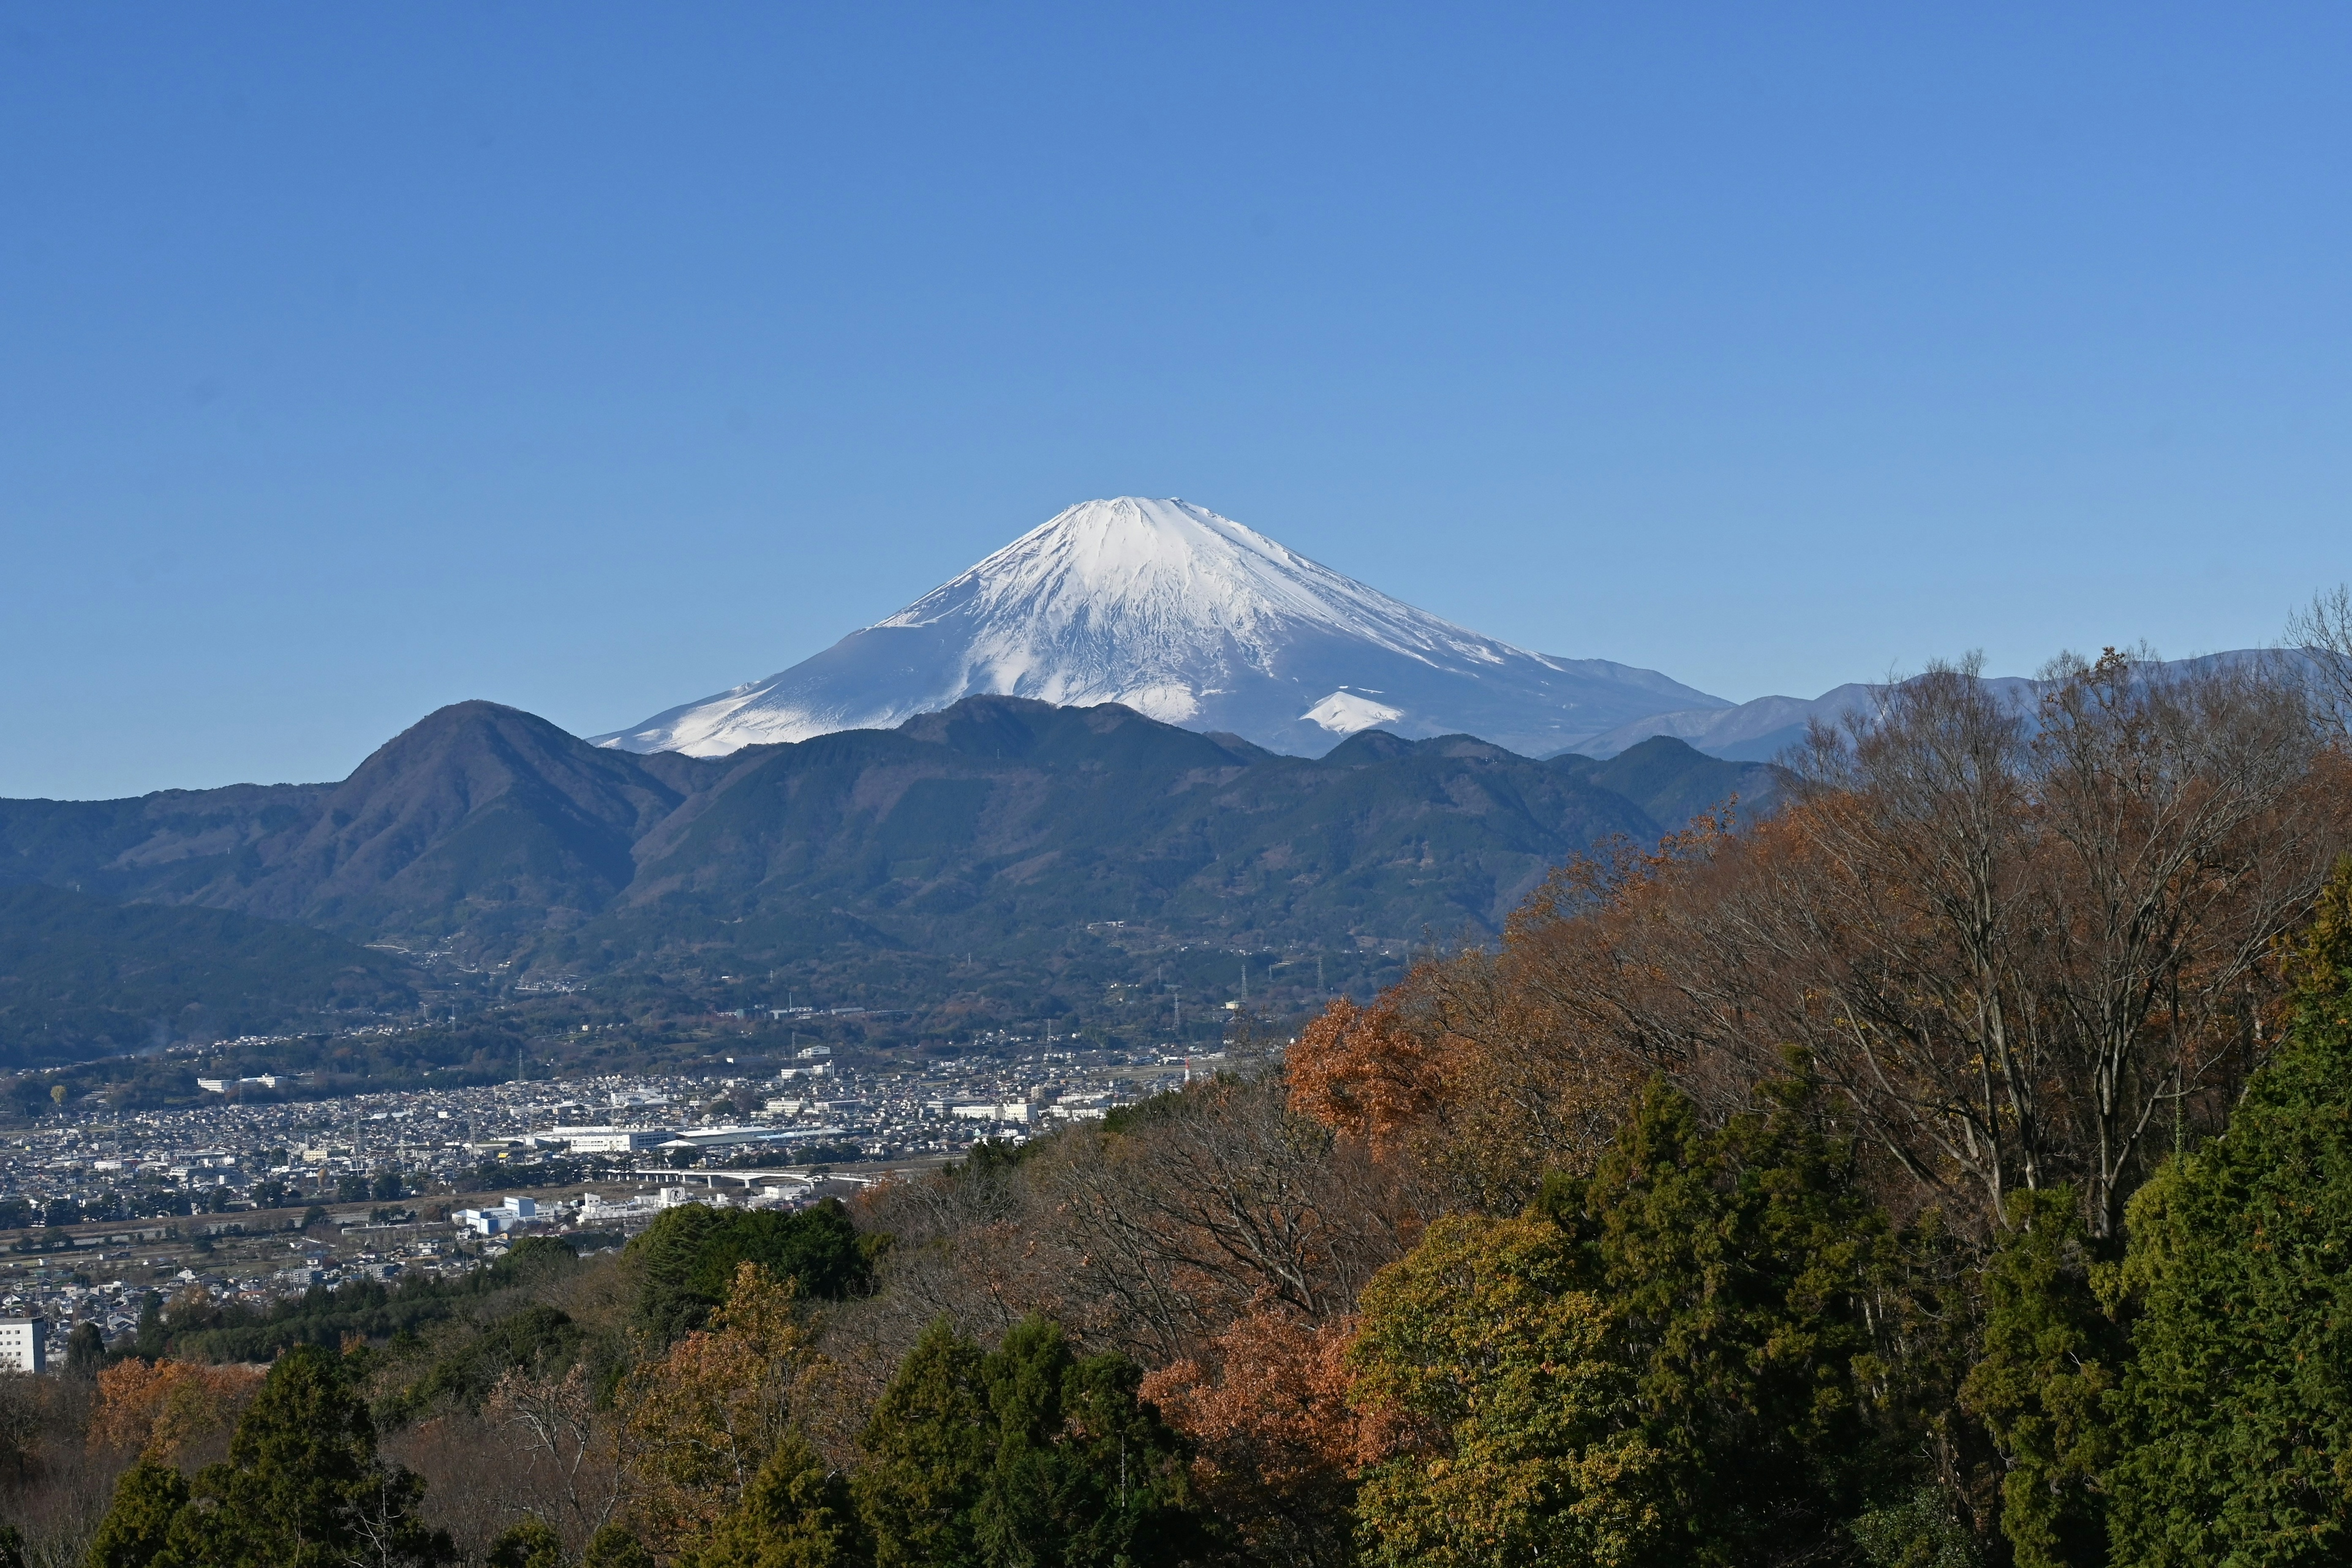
x: 359, y: 358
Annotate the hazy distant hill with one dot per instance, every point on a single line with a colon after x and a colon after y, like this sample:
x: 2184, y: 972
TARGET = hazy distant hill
x: 82, y: 977
x: 991, y: 826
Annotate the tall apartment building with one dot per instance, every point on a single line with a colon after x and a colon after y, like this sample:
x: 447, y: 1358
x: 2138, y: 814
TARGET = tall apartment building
x: 24, y: 1344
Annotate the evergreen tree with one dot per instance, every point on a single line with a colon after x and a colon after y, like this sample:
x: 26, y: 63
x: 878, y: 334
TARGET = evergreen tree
x: 147, y: 1498
x: 1753, y: 1281
x: 2236, y: 1410
x: 2051, y: 1357
x: 1677, y: 1360
x: 796, y: 1514
x: 686, y: 1260
x: 1483, y: 1338
x: 614, y: 1547
x: 529, y: 1543
x: 927, y: 1452
x: 303, y: 1487
x: 1084, y: 1472
x: 152, y: 1332
x: 1028, y: 1454
x: 85, y: 1350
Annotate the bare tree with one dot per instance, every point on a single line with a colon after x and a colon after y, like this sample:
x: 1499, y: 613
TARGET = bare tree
x: 2018, y: 938
x: 570, y: 1450
x: 2322, y: 630
x: 2184, y: 837
x: 1226, y: 1199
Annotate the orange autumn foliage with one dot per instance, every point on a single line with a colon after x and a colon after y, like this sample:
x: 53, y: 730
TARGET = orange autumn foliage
x: 165, y: 1410
x: 1360, y: 1072
x: 1276, y: 1406
x: 1278, y: 1444
x: 1474, y: 1068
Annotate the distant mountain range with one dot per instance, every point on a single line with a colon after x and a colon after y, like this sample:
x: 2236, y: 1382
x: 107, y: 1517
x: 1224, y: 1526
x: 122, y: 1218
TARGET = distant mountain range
x: 998, y: 826
x: 1196, y: 620
x: 1187, y: 618
x: 1762, y: 729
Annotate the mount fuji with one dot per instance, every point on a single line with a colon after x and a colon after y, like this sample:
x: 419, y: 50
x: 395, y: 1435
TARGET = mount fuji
x: 1187, y: 618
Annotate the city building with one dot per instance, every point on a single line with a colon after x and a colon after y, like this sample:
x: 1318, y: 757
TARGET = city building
x: 24, y: 1344
x: 501, y: 1219
x: 606, y: 1139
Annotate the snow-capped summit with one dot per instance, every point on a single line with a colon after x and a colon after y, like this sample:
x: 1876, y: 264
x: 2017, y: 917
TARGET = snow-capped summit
x: 1186, y: 617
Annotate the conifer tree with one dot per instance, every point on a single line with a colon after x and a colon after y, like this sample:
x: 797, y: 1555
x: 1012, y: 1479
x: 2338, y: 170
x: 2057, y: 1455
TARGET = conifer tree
x: 796, y: 1514
x: 2052, y: 1355
x: 147, y: 1498
x: 303, y: 1487
x: 529, y: 1542
x: 927, y: 1451
x: 614, y: 1547
x: 1028, y: 1454
x: 2236, y: 1410
x: 1677, y: 1360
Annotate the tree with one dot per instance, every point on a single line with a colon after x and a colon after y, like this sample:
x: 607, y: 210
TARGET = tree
x: 1025, y: 1454
x: 303, y: 1487
x: 1506, y: 1378
x: 614, y: 1547
x: 530, y: 1542
x: 2236, y: 1409
x: 2021, y: 939
x: 686, y: 1260
x: 704, y: 1419
x: 147, y: 1498
x: 167, y: 1411
x: 386, y: 1186
x: 2322, y: 632
x: 1688, y: 1356
x: 1264, y: 1404
x: 2051, y: 1357
x: 796, y: 1514
x: 149, y: 1342
x: 927, y: 1448
x: 85, y: 1350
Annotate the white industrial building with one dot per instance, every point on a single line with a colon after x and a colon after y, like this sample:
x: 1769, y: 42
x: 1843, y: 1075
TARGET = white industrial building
x: 605, y: 1139
x: 501, y: 1219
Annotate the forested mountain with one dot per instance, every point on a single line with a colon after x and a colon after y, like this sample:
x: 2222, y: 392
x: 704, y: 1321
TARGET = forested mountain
x: 993, y: 825
x: 80, y: 976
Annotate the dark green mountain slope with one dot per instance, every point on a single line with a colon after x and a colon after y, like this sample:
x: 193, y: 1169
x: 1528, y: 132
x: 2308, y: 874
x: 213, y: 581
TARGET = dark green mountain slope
x: 480, y: 817
x: 1673, y: 783
x: 993, y: 827
x: 80, y: 977
x: 1004, y: 823
x: 165, y: 846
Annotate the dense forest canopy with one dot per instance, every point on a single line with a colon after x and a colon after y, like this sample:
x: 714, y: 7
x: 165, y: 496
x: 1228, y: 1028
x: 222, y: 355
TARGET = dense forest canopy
x: 1955, y: 1169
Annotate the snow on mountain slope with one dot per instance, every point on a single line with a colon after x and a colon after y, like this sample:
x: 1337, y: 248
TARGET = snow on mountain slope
x: 1188, y: 617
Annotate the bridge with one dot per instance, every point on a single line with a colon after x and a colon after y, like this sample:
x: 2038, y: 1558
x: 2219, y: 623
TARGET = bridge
x: 753, y: 1178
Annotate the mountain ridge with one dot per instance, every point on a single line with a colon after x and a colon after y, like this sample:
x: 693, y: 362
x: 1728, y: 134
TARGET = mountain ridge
x: 984, y: 823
